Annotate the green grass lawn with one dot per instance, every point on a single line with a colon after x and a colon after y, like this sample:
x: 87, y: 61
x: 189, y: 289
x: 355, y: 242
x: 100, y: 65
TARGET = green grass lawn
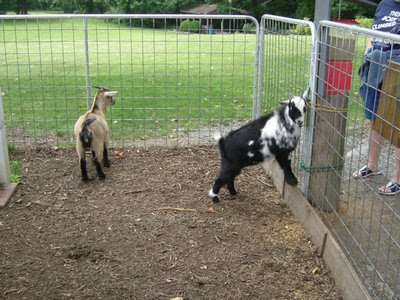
x: 168, y: 81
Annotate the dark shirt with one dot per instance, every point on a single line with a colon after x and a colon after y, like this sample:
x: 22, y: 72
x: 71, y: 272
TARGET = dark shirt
x: 387, y: 19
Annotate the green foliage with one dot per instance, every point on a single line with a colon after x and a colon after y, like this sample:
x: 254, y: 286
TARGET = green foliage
x: 365, y: 22
x: 84, y: 6
x: 194, y: 26
x: 305, y: 9
x: 349, y: 10
x: 301, y: 29
x: 184, y: 25
x: 16, y: 171
x: 11, y: 148
x: 278, y: 7
x: 190, y: 26
x: 298, y: 9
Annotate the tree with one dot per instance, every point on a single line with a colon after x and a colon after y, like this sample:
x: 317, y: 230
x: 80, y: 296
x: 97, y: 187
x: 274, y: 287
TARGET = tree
x: 297, y: 9
x: 20, y: 7
x: 84, y: 6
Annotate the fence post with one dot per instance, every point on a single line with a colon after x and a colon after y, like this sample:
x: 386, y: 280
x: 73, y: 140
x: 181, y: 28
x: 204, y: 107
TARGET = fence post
x: 4, y: 160
x: 259, y: 72
x: 327, y: 157
x: 310, y: 118
x: 87, y: 66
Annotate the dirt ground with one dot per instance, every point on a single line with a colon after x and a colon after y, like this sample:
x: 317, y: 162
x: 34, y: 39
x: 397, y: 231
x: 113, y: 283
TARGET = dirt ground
x: 61, y: 238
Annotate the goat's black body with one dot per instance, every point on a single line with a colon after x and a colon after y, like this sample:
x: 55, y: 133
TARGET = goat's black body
x: 235, y: 146
x: 253, y: 143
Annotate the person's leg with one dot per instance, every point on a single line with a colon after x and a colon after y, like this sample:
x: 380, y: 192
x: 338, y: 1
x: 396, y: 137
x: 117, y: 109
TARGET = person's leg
x: 391, y: 188
x: 396, y: 172
x: 375, y: 144
x: 374, y: 150
x: 370, y: 93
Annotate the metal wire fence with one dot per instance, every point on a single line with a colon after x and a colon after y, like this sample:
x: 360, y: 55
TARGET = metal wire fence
x: 179, y: 77
x: 177, y: 86
x: 365, y: 222
x: 336, y: 142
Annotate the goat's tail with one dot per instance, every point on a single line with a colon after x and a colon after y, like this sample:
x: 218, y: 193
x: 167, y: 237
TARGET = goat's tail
x: 86, y: 134
x: 218, y: 137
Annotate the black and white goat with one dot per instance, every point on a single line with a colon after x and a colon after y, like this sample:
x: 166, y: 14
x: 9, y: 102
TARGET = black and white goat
x: 274, y: 135
x: 92, y: 133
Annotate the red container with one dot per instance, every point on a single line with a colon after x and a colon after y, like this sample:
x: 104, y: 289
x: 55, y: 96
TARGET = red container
x: 338, y: 76
x: 345, y: 21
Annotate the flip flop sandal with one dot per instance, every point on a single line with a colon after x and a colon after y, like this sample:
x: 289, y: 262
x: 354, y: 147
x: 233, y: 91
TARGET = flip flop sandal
x: 365, y: 172
x: 391, y: 188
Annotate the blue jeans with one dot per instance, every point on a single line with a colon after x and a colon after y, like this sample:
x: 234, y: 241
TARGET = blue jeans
x: 371, y: 73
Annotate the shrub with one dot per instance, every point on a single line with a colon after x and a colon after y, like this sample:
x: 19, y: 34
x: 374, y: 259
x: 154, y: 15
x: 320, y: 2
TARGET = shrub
x: 184, y: 25
x: 301, y: 29
x: 194, y: 26
x: 365, y: 22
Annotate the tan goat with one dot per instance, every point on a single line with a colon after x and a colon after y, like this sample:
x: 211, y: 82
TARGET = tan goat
x: 92, y: 133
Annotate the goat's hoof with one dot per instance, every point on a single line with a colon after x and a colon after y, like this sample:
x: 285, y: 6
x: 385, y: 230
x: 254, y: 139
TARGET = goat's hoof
x: 213, y: 196
x: 102, y: 176
x: 292, y: 181
x: 85, y: 179
x: 107, y: 164
x: 233, y: 192
x: 215, y: 199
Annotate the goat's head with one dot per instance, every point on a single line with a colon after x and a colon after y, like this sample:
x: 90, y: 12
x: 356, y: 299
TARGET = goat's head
x: 297, y: 107
x: 104, y: 97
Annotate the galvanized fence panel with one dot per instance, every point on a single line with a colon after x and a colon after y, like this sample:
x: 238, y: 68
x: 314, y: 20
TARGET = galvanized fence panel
x: 179, y: 78
x: 365, y: 223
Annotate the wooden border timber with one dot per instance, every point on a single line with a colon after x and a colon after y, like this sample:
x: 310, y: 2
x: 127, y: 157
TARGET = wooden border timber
x: 6, y: 192
x: 347, y: 280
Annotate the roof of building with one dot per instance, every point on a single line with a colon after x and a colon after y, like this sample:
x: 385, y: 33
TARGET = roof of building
x: 201, y: 9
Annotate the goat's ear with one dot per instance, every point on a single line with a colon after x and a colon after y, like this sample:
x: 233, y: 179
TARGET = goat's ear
x: 110, y: 93
x: 284, y: 102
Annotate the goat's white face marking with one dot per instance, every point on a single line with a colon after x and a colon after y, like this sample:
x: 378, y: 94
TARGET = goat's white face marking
x: 297, y: 109
x: 251, y: 142
x: 249, y: 154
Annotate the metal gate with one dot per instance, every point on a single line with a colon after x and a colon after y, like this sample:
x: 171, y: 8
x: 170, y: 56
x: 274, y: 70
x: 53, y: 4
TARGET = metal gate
x: 179, y: 78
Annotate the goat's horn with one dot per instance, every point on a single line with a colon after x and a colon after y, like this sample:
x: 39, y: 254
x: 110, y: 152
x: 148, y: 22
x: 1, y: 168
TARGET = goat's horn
x: 306, y: 94
x: 96, y: 87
